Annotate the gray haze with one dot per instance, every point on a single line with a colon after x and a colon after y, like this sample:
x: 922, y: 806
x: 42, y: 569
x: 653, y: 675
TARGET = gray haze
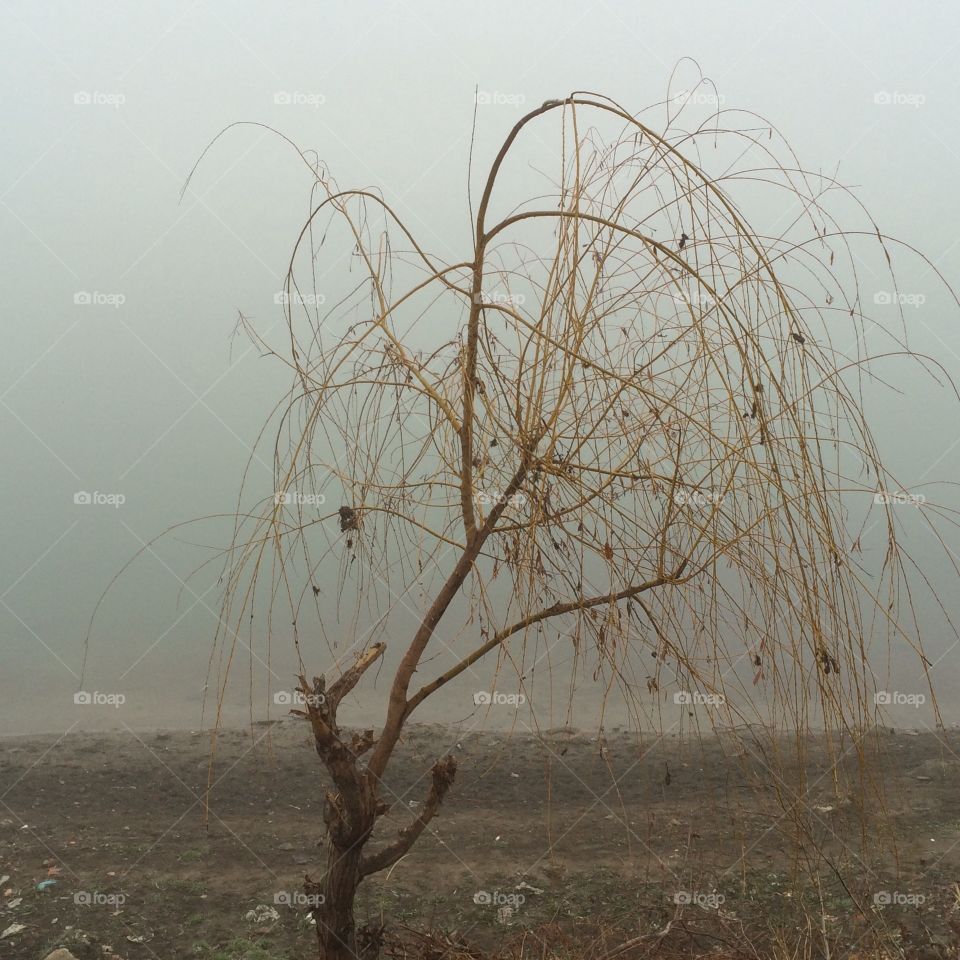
x: 144, y: 392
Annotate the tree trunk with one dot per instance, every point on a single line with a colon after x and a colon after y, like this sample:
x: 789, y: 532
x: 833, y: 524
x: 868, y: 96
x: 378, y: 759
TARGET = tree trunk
x: 336, y: 925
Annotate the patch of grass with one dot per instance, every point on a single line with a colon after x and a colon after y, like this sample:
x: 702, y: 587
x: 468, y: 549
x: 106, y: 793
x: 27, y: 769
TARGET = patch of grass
x: 191, y: 888
x: 240, y: 949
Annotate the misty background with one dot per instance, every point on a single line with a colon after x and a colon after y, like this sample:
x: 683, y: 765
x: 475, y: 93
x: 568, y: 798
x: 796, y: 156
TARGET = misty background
x: 123, y: 375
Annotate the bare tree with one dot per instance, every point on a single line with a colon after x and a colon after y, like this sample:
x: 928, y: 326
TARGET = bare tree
x: 638, y: 431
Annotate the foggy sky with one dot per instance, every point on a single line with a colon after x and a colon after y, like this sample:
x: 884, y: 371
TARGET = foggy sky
x: 143, y: 392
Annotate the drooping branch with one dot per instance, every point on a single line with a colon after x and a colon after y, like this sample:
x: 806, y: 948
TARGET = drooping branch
x: 444, y: 772
x: 556, y: 610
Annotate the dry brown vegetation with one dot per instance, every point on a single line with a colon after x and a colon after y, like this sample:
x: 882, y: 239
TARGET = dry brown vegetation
x: 638, y: 431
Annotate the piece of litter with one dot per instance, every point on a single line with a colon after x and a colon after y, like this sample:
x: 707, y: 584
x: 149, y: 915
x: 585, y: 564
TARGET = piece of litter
x: 823, y: 809
x: 44, y: 884
x: 523, y: 885
x: 260, y: 914
x: 4, y: 879
x: 143, y: 938
x: 14, y: 928
x: 14, y: 903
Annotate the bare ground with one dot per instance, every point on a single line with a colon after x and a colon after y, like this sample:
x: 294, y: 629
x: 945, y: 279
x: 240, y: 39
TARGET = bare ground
x: 588, y: 837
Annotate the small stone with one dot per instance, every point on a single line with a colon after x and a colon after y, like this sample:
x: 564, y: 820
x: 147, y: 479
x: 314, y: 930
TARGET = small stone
x: 60, y: 954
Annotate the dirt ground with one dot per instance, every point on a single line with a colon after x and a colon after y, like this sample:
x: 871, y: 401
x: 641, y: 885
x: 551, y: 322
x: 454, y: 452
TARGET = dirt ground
x: 564, y: 830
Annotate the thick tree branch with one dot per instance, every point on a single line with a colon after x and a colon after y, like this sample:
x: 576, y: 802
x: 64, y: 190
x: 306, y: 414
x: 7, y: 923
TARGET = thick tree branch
x: 351, y: 677
x: 397, y: 709
x: 345, y: 813
x: 444, y: 772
